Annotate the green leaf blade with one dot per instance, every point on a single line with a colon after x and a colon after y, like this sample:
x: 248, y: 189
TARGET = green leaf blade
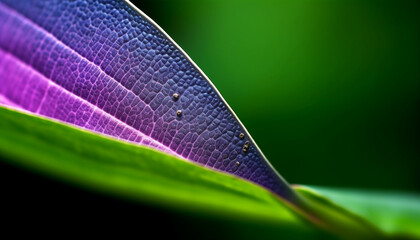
x: 140, y: 174
x: 395, y: 213
x: 143, y: 175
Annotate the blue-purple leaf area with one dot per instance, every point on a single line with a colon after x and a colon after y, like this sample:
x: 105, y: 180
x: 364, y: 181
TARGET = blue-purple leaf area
x: 103, y: 66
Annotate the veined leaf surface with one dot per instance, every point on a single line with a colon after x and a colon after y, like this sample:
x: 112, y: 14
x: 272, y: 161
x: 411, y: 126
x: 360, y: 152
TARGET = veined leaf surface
x: 105, y: 66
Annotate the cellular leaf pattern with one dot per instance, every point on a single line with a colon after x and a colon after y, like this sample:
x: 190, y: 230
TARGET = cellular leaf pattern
x: 104, y: 66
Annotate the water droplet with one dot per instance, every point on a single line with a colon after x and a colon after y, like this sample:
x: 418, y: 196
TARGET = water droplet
x: 246, y: 146
x: 176, y: 96
x: 241, y: 136
x: 179, y: 113
x: 238, y: 163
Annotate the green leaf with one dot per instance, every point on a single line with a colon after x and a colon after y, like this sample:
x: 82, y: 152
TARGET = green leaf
x: 143, y: 175
x: 395, y: 213
x: 146, y: 176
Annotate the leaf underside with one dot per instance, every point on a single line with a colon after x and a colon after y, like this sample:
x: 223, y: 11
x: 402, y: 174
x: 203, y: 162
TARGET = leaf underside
x: 106, y: 67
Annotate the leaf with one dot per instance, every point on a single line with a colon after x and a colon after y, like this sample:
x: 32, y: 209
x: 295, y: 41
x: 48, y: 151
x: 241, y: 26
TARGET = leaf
x: 101, y: 164
x: 105, y: 66
x: 395, y: 213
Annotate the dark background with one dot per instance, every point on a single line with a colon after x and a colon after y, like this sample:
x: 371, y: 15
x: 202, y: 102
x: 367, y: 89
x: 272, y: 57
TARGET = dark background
x: 329, y: 90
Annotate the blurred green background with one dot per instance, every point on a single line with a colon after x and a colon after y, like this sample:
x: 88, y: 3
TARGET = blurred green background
x: 329, y: 90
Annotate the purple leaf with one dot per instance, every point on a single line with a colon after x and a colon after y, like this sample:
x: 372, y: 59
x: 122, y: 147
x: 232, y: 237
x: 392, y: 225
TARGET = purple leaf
x: 105, y: 66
